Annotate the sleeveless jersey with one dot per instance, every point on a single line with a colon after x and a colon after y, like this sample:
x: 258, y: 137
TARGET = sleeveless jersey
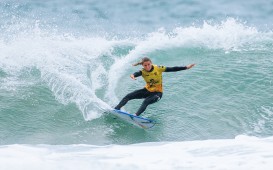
x: 153, y: 79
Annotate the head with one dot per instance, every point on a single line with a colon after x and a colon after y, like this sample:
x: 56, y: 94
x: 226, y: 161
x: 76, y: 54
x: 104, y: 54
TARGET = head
x: 146, y: 63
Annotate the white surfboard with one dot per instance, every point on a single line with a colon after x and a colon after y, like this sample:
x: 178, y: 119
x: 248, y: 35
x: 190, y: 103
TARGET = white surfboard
x: 139, y: 121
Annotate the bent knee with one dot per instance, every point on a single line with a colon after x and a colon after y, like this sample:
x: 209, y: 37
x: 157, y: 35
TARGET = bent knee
x: 157, y: 98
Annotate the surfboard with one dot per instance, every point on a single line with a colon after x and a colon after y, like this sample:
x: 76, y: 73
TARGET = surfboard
x: 139, y: 121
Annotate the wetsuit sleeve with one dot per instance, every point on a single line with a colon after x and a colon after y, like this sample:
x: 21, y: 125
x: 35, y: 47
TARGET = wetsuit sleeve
x: 173, y: 69
x: 137, y: 74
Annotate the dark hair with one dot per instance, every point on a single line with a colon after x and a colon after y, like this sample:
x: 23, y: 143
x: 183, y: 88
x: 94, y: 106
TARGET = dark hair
x: 144, y: 59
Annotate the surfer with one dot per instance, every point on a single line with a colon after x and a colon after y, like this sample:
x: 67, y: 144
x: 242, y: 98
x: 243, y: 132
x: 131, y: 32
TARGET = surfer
x: 152, y: 92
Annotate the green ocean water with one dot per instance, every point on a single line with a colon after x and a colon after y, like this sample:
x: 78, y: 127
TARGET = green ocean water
x: 225, y: 95
x: 57, y: 78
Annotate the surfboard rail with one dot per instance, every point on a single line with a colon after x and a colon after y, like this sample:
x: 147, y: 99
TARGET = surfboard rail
x: 139, y: 121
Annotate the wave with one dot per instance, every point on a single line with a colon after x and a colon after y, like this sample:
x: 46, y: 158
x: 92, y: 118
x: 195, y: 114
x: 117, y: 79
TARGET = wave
x: 87, y: 70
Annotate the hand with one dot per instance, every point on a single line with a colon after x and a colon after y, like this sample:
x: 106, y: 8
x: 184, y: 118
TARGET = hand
x: 190, y: 66
x: 132, y: 77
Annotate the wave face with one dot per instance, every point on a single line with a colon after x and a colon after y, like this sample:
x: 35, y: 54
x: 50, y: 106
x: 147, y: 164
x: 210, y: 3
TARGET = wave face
x: 62, y: 68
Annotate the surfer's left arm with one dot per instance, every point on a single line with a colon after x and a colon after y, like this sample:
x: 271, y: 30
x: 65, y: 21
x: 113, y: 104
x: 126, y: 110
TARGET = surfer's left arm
x: 179, y: 68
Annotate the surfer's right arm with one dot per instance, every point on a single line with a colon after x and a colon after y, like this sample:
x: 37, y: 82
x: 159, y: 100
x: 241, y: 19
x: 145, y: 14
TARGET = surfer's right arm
x: 136, y: 74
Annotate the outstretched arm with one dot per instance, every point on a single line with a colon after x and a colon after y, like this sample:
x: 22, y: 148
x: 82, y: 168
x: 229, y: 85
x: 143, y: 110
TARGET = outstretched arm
x: 173, y: 69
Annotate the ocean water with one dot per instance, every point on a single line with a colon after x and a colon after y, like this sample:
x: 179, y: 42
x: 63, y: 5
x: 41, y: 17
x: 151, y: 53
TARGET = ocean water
x: 64, y: 63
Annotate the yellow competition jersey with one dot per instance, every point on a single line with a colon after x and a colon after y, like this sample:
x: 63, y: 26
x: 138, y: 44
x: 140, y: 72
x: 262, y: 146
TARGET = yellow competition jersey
x: 153, y: 78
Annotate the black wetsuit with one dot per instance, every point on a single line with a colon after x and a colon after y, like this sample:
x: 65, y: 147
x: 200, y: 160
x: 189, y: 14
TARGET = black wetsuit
x: 150, y: 97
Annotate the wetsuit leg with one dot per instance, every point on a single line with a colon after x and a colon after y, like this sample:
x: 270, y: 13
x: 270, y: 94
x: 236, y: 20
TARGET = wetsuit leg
x: 154, y: 97
x: 137, y: 94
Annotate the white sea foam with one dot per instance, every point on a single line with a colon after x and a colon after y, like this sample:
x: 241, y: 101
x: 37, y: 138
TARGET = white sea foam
x: 241, y: 153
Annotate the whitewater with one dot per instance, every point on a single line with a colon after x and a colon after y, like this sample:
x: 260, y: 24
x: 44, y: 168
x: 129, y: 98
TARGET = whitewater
x: 239, y: 153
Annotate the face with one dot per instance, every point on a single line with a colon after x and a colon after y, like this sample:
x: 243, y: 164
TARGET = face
x: 147, y: 65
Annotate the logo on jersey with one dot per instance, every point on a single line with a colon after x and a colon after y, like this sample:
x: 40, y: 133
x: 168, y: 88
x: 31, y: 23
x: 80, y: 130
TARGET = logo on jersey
x: 152, y: 82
